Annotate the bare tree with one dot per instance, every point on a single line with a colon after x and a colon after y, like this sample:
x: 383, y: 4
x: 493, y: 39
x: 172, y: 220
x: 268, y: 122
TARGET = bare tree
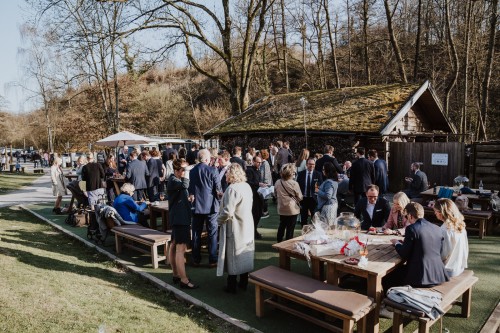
x: 332, y: 39
x: 395, y: 46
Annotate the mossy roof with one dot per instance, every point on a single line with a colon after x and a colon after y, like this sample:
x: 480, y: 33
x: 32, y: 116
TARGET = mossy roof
x: 366, y: 109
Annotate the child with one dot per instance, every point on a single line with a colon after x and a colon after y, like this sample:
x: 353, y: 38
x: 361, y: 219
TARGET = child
x: 18, y: 166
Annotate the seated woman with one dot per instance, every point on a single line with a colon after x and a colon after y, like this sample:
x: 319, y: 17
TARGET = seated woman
x: 397, y: 222
x: 455, y: 249
x: 128, y: 209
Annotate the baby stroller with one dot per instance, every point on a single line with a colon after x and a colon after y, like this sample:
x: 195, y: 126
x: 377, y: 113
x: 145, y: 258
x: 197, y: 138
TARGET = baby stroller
x: 78, y: 194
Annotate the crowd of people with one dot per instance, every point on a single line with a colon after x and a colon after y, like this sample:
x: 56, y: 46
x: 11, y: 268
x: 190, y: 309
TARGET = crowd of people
x: 219, y: 192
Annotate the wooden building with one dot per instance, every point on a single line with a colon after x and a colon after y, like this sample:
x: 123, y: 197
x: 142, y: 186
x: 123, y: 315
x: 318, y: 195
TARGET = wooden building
x: 371, y: 116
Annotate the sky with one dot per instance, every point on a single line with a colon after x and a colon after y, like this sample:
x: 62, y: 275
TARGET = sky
x: 11, y: 17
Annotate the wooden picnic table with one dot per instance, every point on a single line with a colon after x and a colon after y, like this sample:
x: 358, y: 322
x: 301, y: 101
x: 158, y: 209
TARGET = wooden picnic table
x: 483, y: 201
x: 159, y: 209
x: 118, y: 182
x: 382, y: 259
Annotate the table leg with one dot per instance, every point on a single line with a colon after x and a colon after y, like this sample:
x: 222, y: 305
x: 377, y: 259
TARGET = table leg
x: 284, y: 260
x: 152, y: 217
x: 332, y: 274
x: 164, y: 221
x: 375, y: 292
x: 118, y: 243
x: 117, y: 188
x: 317, y: 268
x: 481, y: 228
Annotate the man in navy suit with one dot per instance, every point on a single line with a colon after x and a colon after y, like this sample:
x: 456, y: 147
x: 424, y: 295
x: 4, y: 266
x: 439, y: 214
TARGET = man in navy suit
x: 328, y: 157
x: 362, y: 175
x: 421, y: 250
x: 204, y: 192
x: 373, y: 210
x: 380, y: 171
x: 224, y: 163
x: 417, y: 182
x: 308, y: 179
x: 237, y: 157
x: 137, y: 171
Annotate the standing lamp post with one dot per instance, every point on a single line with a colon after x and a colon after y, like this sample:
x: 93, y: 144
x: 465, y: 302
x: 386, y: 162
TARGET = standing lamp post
x: 303, y: 102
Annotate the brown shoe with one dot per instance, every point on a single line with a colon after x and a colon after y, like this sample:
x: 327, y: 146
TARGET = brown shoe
x: 212, y: 265
x: 195, y: 264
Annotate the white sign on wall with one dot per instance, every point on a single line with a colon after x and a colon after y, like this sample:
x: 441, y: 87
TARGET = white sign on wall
x: 439, y: 159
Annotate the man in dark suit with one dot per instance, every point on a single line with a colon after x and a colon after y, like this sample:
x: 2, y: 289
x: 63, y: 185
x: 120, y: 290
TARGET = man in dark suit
x: 362, y: 175
x: 168, y: 150
x: 328, y: 157
x: 237, y: 157
x: 254, y: 180
x: 372, y: 210
x: 192, y: 155
x: 417, y: 182
x: 421, y: 250
x: 205, y: 192
x: 308, y: 179
x: 380, y: 166
x: 137, y: 171
x: 93, y: 175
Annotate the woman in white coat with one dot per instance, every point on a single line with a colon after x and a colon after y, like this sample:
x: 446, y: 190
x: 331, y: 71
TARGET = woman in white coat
x: 236, y: 235
x: 455, y: 249
x: 58, y: 187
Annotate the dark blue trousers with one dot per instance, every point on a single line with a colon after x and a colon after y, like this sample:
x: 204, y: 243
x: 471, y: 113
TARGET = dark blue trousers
x: 212, y: 228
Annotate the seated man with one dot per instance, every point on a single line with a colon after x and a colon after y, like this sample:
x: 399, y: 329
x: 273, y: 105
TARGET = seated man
x: 373, y: 210
x: 421, y: 250
x: 128, y: 209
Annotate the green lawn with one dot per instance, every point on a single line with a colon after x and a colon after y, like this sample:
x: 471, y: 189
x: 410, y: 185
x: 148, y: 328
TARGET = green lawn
x: 52, y: 283
x: 13, y: 181
x: 483, y: 259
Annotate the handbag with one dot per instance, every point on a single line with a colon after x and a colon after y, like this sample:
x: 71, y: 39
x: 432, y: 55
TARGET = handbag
x: 77, y: 218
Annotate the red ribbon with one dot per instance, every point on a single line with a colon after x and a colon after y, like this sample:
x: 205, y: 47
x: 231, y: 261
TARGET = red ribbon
x: 356, y: 238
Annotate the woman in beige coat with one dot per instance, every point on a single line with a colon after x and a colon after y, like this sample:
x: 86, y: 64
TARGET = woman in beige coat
x: 236, y: 235
x: 289, y: 196
x: 58, y: 187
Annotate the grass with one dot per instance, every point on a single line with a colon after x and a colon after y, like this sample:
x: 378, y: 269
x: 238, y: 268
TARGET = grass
x: 51, y: 283
x: 14, y: 181
x: 483, y: 259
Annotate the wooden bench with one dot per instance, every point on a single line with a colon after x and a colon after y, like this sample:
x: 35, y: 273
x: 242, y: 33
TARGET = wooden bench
x: 475, y: 220
x: 39, y: 170
x: 149, y: 237
x: 348, y: 306
x: 459, y: 286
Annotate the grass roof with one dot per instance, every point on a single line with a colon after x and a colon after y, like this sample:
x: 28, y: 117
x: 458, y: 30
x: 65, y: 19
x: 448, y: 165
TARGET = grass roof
x: 357, y: 109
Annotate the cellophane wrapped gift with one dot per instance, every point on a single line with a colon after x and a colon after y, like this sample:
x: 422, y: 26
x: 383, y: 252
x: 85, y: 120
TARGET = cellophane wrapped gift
x: 331, y: 248
x: 315, y: 233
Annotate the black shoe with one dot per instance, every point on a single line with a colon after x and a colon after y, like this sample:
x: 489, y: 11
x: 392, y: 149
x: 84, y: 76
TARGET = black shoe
x: 258, y: 236
x: 265, y: 216
x: 176, y: 279
x: 195, y: 264
x: 189, y: 285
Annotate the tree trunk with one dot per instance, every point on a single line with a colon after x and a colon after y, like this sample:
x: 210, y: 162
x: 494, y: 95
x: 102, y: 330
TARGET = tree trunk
x: 394, y: 43
x: 349, y: 30
x: 365, y: 42
x: 417, y: 41
x: 463, y: 119
x: 285, y: 45
x: 482, y: 135
x: 454, y: 56
x: 333, y: 43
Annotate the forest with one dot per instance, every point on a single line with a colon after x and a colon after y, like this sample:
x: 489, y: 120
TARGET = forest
x: 182, y: 66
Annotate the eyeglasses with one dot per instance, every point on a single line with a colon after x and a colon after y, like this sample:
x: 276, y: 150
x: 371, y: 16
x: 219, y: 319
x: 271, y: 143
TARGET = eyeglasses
x: 372, y: 196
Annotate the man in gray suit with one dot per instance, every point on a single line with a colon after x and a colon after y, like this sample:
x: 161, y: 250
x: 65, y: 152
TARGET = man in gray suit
x: 137, y: 171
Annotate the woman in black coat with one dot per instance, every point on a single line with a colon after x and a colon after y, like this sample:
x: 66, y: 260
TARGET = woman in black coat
x: 179, y: 214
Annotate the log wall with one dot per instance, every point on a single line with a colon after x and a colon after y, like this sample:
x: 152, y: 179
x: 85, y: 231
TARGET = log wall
x: 485, y: 165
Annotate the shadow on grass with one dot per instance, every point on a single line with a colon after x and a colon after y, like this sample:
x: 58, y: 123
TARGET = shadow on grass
x: 42, y: 237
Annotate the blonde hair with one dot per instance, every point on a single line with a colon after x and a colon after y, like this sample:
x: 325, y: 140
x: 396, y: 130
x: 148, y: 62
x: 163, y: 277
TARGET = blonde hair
x: 128, y: 188
x: 236, y: 174
x: 402, y: 199
x: 57, y: 161
x: 304, y: 155
x: 288, y: 171
x: 453, y: 219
